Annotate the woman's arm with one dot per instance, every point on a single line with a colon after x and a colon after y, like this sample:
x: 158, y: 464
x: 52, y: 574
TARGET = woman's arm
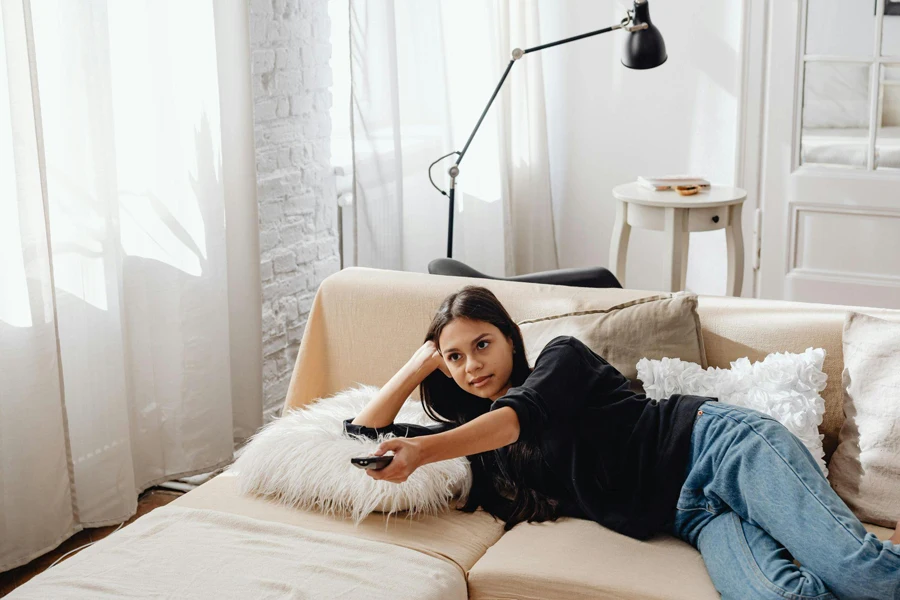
x: 567, y: 376
x: 491, y: 430
x: 383, y: 408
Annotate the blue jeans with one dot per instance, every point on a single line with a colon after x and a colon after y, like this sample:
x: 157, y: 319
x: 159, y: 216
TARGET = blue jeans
x: 754, y: 500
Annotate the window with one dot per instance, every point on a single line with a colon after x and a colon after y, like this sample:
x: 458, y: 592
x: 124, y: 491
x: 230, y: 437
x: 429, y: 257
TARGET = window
x: 850, y: 113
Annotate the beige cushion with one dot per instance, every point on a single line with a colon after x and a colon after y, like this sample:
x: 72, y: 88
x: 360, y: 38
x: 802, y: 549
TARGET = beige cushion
x: 882, y: 533
x: 865, y: 465
x: 652, y: 327
x: 453, y: 535
x: 575, y: 559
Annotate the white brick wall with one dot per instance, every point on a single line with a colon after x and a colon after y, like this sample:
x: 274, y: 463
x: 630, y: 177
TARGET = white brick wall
x: 290, y: 49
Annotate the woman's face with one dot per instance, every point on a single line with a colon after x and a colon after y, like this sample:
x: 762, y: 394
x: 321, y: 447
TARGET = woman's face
x: 479, y: 357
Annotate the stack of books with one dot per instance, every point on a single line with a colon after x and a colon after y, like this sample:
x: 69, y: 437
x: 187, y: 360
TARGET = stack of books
x: 669, y: 182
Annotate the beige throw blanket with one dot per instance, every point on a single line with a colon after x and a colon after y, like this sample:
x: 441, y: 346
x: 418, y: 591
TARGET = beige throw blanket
x: 176, y: 552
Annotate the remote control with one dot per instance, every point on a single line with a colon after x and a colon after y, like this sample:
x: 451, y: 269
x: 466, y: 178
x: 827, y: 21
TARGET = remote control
x: 372, y: 462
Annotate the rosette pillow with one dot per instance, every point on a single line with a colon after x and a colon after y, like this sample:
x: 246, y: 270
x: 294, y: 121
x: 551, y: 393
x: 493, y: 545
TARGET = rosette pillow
x: 785, y: 386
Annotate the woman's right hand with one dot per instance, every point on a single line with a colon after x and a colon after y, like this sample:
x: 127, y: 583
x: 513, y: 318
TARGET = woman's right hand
x: 430, y: 358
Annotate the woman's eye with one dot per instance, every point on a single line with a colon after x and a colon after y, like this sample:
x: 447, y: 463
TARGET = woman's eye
x: 485, y: 342
x: 453, y: 357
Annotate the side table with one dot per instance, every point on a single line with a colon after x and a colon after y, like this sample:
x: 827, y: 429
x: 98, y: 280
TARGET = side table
x: 714, y: 208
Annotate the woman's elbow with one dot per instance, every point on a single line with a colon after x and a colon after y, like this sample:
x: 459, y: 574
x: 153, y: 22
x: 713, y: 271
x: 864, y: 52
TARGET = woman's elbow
x: 514, y: 428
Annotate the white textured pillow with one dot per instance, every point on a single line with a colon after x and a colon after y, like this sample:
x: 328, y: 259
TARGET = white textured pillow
x: 784, y: 386
x: 303, y: 460
x: 865, y: 465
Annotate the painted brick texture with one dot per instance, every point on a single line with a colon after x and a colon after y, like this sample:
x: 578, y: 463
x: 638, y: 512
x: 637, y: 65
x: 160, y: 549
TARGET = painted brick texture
x: 290, y: 53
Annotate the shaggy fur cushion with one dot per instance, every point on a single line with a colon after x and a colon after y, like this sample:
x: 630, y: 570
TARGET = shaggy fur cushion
x: 303, y: 458
x: 784, y: 386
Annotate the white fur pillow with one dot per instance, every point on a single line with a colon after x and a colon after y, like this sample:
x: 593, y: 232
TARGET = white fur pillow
x: 784, y: 386
x: 302, y: 459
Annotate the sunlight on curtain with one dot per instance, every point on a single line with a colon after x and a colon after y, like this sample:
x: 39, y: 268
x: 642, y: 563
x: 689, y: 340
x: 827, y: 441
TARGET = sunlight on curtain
x: 14, y: 299
x: 156, y: 221
x: 114, y: 327
x: 422, y: 73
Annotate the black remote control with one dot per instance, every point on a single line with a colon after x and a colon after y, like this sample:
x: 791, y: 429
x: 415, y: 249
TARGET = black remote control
x: 372, y: 462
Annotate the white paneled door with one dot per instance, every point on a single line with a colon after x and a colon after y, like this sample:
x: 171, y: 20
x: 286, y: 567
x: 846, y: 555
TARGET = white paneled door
x: 830, y: 169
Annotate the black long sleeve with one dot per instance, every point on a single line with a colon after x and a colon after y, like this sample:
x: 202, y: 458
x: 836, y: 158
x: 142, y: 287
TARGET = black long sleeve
x: 617, y: 457
x: 398, y: 429
x: 565, y: 376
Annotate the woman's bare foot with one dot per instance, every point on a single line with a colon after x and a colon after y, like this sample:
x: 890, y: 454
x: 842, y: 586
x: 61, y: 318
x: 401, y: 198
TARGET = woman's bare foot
x: 896, y: 537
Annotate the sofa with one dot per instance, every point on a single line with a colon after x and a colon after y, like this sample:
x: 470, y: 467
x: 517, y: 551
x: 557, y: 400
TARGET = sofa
x: 364, y: 325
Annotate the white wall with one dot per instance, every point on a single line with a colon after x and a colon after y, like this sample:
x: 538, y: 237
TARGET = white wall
x: 608, y: 124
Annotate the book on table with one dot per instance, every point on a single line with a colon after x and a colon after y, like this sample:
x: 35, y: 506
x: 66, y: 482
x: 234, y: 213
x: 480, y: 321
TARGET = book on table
x: 667, y: 182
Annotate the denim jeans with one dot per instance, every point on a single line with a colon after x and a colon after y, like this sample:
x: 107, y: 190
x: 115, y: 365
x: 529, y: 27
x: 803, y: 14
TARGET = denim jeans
x: 754, y: 500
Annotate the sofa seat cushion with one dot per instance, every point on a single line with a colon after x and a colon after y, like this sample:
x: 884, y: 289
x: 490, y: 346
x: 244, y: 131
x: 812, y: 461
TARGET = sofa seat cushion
x: 459, y: 537
x: 882, y: 533
x: 576, y: 558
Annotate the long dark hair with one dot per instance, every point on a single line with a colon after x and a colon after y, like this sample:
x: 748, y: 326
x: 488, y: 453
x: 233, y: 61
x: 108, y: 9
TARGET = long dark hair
x: 443, y: 400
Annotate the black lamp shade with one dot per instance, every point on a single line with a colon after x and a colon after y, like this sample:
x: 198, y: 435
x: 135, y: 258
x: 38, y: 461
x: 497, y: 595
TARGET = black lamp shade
x: 645, y: 48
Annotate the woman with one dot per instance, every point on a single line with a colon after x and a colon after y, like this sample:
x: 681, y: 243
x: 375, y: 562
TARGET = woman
x: 569, y: 438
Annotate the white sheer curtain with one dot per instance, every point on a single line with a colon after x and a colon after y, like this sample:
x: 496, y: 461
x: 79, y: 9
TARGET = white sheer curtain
x: 422, y: 72
x: 114, y: 333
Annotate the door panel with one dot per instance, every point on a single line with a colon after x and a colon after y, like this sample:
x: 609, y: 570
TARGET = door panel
x: 830, y: 171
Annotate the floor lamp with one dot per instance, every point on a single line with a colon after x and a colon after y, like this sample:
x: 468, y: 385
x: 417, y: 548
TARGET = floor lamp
x: 644, y: 49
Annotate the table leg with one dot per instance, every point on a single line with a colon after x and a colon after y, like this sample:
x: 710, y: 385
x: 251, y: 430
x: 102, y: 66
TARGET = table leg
x: 675, y: 240
x: 618, y: 245
x: 734, y: 238
x: 685, y: 247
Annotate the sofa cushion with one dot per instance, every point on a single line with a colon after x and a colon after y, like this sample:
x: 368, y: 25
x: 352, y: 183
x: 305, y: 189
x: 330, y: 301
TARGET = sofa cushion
x: 576, y: 558
x: 867, y: 460
x: 655, y: 326
x: 456, y: 536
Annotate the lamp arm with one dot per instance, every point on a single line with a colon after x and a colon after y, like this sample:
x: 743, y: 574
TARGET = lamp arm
x: 517, y: 54
x: 484, y: 112
x: 621, y: 25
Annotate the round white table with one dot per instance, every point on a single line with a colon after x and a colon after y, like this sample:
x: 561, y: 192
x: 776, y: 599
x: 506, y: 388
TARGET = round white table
x: 714, y: 208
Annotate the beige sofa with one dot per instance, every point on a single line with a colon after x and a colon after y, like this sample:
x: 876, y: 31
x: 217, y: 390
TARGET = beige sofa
x: 364, y: 325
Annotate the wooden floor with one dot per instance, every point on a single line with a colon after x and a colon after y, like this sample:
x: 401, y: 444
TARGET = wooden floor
x: 150, y: 499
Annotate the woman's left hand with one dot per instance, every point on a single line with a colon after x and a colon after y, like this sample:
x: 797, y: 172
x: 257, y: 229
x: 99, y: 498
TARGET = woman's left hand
x: 408, y: 456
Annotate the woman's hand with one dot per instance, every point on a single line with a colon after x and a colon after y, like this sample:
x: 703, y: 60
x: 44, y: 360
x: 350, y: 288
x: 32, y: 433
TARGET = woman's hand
x: 430, y: 358
x: 408, y: 456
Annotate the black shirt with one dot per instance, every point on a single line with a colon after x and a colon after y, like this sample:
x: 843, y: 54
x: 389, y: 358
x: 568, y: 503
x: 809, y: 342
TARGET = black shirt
x: 612, y: 456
